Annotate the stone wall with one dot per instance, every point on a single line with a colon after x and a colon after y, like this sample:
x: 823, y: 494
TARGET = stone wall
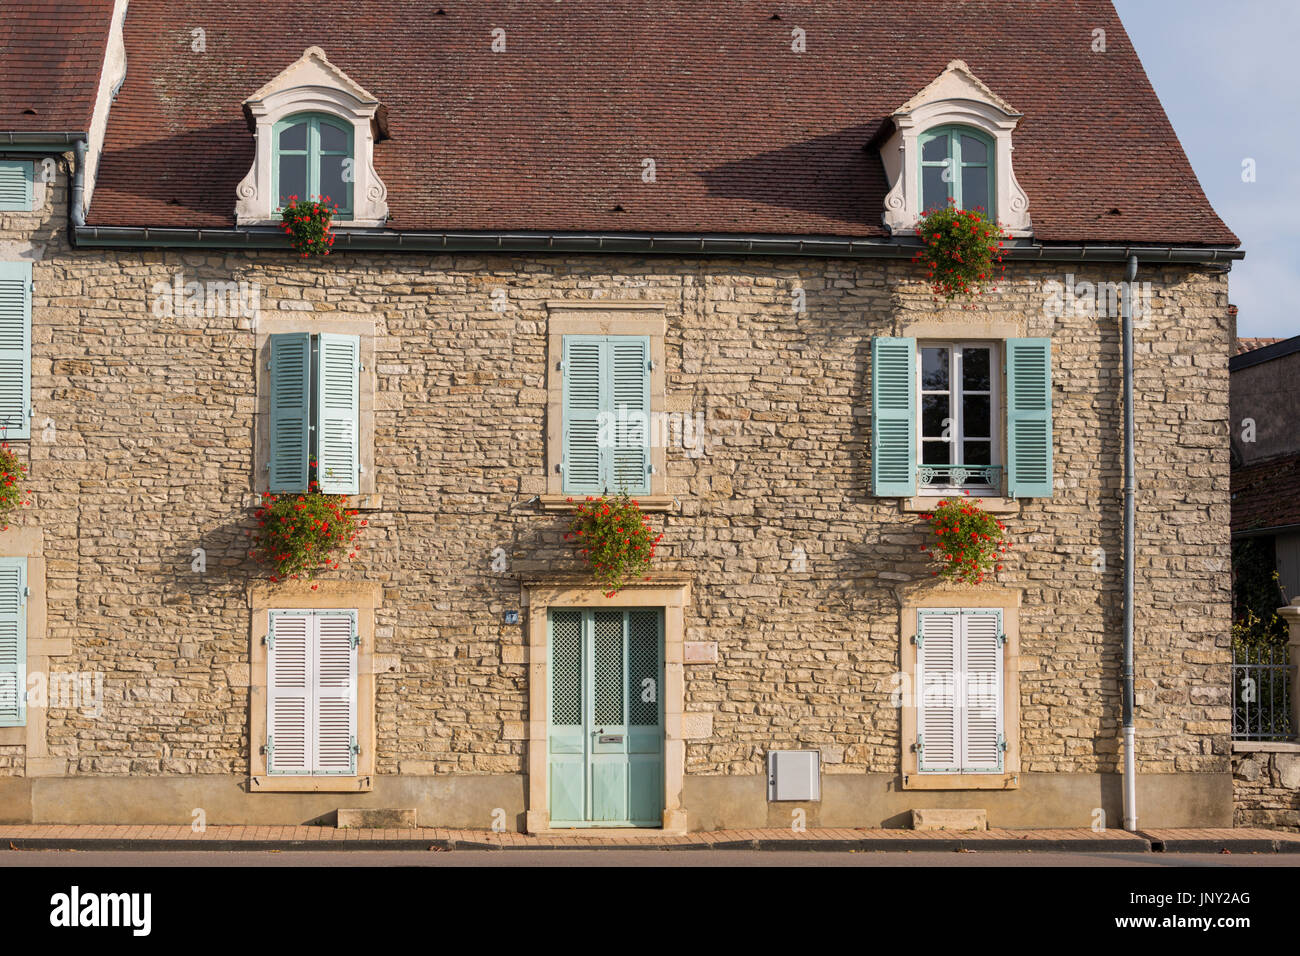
x: 1266, y: 790
x: 142, y: 452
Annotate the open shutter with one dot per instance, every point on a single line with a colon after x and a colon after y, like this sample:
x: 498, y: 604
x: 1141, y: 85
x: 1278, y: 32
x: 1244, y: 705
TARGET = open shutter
x: 338, y: 399
x: 290, y: 410
x: 15, y: 349
x: 288, y: 693
x: 982, y: 729
x: 937, y: 728
x: 1029, y: 418
x: 13, y: 642
x: 893, y: 417
x: 628, y: 405
x: 334, y: 730
x: 582, y: 372
x: 16, y: 185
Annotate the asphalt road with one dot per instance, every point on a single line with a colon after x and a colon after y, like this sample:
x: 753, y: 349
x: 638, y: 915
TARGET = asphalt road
x: 635, y: 858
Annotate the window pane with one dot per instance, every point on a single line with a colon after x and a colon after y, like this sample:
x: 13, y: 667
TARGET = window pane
x: 974, y: 150
x: 934, y: 415
x: 934, y: 191
x: 975, y: 370
x: 331, y: 180
x: 935, y: 150
x: 934, y: 370
x: 935, y: 453
x: 294, y: 137
x: 975, y: 187
x: 976, y: 453
x: 333, y: 139
x: 293, y: 177
x: 975, y: 416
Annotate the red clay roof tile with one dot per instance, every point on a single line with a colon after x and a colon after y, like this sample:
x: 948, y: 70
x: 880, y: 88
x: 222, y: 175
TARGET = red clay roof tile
x: 51, y: 56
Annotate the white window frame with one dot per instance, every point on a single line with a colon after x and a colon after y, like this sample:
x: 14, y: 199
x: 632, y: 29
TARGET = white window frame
x: 957, y: 433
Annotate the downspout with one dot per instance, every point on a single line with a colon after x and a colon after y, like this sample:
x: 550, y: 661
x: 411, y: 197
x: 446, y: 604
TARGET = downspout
x: 1130, y: 492
x: 76, y: 204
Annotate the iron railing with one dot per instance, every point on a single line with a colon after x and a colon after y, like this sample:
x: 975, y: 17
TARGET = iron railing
x: 1261, y: 693
x: 956, y: 476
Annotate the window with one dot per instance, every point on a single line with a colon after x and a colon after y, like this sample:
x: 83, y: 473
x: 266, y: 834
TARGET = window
x: 314, y: 412
x: 959, y: 686
x: 958, y: 409
x: 13, y: 642
x: 313, y: 158
x: 957, y: 164
x: 311, y: 693
x: 15, y: 349
x: 16, y: 185
x: 606, y: 406
x: 938, y: 419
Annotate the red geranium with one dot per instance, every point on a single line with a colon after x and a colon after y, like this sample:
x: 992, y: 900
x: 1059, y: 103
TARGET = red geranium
x: 614, y: 538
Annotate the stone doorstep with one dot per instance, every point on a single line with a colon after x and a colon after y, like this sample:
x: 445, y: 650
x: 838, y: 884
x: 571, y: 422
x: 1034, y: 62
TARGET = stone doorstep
x: 931, y: 819
x: 377, y: 819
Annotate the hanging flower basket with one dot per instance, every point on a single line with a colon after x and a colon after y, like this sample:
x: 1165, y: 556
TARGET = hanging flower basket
x: 963, y: 251
x: 12, y: 475
x: 301, y: 535
x: 614, y: 538
x: 307, y: 224
x: 969, y: 541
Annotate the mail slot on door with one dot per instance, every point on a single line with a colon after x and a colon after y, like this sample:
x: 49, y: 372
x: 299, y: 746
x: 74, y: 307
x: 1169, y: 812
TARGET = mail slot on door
x: 611, y: 739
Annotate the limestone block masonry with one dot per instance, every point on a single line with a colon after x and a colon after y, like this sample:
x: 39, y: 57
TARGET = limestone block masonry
x: 143, y: 452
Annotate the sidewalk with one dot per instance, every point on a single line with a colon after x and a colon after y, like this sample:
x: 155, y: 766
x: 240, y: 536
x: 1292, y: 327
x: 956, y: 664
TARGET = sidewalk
x: 226, y: 838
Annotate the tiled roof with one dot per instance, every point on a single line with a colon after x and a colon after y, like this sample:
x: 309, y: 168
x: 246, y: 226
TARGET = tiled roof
x: 1266, y: 494
x: 51, y: 56
x: 1250, y: 344
x: 747, y: 136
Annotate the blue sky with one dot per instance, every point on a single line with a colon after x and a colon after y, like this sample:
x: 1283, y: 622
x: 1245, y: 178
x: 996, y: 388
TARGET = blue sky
x: 1225, y: 74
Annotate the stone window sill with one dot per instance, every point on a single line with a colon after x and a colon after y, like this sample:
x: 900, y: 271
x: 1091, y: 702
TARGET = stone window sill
x: 351, y: 502
x: 1265, y: 747
x: 1003, y: 506
x: 270, y: 784
x: 961, y: 781
x: 647, y: 502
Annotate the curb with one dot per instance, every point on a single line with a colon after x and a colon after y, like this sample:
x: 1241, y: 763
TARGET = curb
x: 1209, y: 845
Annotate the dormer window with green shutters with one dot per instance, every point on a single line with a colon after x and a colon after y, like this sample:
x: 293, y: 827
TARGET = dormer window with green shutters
x: 606, y: 414
x: 949, y: 417
x: 315, y: 412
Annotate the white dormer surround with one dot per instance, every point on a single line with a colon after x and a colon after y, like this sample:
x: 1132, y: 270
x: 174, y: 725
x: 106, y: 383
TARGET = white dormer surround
x: 312, y: 84
x: 955, y: 98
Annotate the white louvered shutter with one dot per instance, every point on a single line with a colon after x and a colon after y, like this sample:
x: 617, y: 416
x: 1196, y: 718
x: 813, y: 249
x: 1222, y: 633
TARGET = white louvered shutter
x: 338, y: 402
x: 937, y: 727
x: 335, y: 727
x: 982, y: 730
x: 289, y: 693
x: 13, y: 642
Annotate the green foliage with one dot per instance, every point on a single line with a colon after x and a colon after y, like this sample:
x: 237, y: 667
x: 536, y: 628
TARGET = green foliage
x: 1256, y: 595
x: 307, y: 224
x: 615, y: 538
x: 963, y: 250
x: 968, y: 540
x: 12, y: 474
x: 301, y: 535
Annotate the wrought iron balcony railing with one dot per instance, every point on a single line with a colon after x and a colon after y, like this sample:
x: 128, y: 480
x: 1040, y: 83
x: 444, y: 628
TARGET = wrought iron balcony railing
x: 956, y: 476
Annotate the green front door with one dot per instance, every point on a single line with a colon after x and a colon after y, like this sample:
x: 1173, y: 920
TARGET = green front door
x: 605, y: 727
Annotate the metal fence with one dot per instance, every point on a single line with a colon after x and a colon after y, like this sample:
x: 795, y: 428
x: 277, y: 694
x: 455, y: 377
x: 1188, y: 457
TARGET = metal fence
x: 1261, y: 693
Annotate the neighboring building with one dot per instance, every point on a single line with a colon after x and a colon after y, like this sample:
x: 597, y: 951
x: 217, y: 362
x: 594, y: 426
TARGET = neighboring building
x: 696, y: 213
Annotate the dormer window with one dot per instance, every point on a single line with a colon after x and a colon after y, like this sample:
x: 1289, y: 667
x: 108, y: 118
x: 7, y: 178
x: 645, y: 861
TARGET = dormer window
x: 952, y: 141
x: 313, y: 158
x: 957, y: 163
x: 315, y: 130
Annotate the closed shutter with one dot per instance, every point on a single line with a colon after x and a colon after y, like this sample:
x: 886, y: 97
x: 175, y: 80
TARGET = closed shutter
x: 288, y: 693
x: 1029, y: 418
x: 13, y: 642
x: 15, y: 185
x: 290, y: 410
x: 582, y: 372
x: 937, y: 718
x: 629, y: 408
x: 893, y: 416
x: 15, y: 349
x: 338, y: 396
x: 334, y: 730
x: 982, y: 739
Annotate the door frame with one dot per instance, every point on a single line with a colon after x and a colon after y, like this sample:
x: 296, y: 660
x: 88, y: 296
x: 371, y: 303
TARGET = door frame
x: 668, y: 592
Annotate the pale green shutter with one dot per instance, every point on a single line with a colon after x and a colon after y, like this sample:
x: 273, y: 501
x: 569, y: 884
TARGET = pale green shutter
x: 938, y: 715
x: 15, y: 185
x: 15, y: 349
x: 893, y: 416
x: 628, y: 405
x: 1029, y: 418
x: 580, y: 431
x: 338, y: 397
x: 290, y: 370
x: 13, y: 642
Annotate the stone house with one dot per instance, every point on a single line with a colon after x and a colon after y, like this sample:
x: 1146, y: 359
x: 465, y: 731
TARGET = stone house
x: 704, y: 217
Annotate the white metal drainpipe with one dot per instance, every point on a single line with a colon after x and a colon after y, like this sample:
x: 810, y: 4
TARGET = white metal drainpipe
x: 1130, y: 491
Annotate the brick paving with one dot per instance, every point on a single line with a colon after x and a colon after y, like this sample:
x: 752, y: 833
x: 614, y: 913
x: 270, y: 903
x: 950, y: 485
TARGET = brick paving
x: 41, y: 836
